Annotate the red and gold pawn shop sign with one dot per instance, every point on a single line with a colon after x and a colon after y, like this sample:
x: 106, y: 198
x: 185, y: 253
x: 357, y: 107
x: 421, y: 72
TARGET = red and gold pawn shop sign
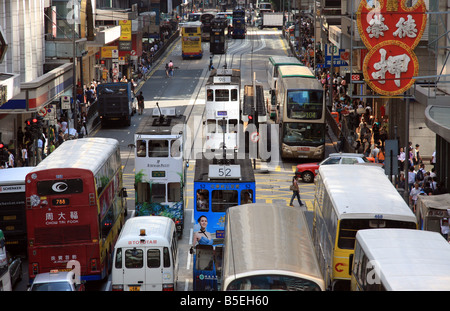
x: 391, y: 30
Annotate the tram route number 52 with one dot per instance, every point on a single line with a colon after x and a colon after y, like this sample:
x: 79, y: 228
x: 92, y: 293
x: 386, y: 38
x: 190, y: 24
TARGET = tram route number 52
x: 224, y: 171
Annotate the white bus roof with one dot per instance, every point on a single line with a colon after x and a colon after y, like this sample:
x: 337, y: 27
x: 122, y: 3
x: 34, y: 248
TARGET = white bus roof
x: 408, y: 259
x: 157, y: 228
x: 295, y: 71
x: 85, y: 153
x: 361, y: 192
x: 262, y: 239
x: 14, y: 176
x: 284, y: 60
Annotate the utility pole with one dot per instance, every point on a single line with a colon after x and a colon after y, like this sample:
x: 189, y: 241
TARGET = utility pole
x: 74, y: 77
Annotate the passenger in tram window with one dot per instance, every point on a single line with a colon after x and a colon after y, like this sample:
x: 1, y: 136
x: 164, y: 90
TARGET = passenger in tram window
x: 210, y: 95
x: 141, y: 148
x: 246, y: 198
x: 202, y: 202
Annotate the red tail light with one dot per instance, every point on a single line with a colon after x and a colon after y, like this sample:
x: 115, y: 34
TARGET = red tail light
x: 94, y: 264
x: 168, y: 288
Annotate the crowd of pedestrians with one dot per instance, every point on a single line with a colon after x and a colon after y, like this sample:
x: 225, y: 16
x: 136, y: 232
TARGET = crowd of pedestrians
x: 368, y: 130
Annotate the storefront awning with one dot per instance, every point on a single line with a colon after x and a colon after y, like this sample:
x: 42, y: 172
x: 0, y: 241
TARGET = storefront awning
x: 41, y: 91
x: 437, y: 118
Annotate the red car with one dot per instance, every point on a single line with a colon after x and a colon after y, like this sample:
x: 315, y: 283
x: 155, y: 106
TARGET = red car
x: 308, y: 171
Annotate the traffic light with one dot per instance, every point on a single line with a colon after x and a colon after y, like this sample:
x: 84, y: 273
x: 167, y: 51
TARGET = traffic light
x: 28, y: 123
x: 250, y: 119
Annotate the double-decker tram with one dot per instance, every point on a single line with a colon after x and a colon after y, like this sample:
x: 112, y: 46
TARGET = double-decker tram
x: 349, y: 198
x: 218, y: 185
x: 217, y: 38
x: 75, y: 208
x: 160, y: 174
x: 206, y: 20
x: 191, y: 40
x: 269, y: 247
x: 239, y: 29
x: 223, y: 109
x: 301, y: 116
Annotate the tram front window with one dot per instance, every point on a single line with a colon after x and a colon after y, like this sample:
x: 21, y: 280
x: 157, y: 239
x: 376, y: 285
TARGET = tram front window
x: 223, y: 199
x: 158, y: 148
x: 222, y: 95
x: 158, y: 193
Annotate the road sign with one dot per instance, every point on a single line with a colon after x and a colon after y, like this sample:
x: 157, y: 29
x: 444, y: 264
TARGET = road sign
x: 337, y: 62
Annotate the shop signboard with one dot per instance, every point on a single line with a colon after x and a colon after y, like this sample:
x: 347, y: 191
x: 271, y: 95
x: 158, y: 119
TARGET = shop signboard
x: 391, y: 29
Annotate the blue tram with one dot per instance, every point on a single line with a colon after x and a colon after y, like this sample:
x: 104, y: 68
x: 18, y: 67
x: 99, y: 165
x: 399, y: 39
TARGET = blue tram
x: 218, y: 185
x: 239, y: 29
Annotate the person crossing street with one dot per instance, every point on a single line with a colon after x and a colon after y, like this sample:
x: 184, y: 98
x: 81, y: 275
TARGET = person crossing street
x: 295, y: 192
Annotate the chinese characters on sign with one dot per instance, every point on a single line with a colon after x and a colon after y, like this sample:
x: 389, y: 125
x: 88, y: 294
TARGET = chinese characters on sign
x: 391, y: 30
x: 55, y: 218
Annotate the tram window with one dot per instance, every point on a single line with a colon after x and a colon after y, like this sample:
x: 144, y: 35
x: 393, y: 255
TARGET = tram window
x: 211, y: 126
x: 141, y: 147
x: 158, y: 148
x: 158, y: 193
x: 202, y: 200
x: 134, y: 258
x: 210, y: 95
x: 153, y: 258
x: 175, y: 148
x: 233, y: 126
x: 222, y: 126
x: 143, y: 192
x: 246, y: 196
x: 223, y: 199
x: 174, y: 192
x: 222, y: 96
x: 234, y: 94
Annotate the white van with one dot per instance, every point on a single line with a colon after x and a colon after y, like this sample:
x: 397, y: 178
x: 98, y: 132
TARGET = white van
x: 145, y: 255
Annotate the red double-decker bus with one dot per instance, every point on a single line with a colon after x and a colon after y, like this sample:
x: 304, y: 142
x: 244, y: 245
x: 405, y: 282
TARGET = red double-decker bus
x: 75, y: 207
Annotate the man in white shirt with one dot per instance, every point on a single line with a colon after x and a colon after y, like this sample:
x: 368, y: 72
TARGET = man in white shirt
x: 413, y: 195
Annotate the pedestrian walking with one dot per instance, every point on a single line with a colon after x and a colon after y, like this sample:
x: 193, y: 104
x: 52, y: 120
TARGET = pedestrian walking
x: 140, y: 99
x: 171, y: 68
x: 210, y: 63
x: 295, y: 192
x: 167, y: 70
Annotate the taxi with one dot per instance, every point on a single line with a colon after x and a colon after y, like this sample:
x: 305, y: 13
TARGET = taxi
x: 308, y: 171
x: 55, y: 280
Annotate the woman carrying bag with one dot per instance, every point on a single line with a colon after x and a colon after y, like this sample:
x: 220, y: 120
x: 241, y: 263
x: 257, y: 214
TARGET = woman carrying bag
x: 295, y: 192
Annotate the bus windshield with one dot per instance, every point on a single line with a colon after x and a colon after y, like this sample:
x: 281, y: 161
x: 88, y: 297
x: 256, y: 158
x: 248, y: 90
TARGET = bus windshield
x: 273, y: 282
x: 305, y: 104
x: 307, y: 134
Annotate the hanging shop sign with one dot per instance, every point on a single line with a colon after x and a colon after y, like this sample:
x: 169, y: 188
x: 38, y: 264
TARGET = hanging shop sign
x: 391, y: 30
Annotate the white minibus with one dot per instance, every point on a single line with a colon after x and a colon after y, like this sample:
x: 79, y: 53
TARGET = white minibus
x: 145, y: 255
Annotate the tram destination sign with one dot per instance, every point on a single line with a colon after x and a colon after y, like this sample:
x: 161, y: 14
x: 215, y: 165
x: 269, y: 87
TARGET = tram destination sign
x: 224, y: 171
